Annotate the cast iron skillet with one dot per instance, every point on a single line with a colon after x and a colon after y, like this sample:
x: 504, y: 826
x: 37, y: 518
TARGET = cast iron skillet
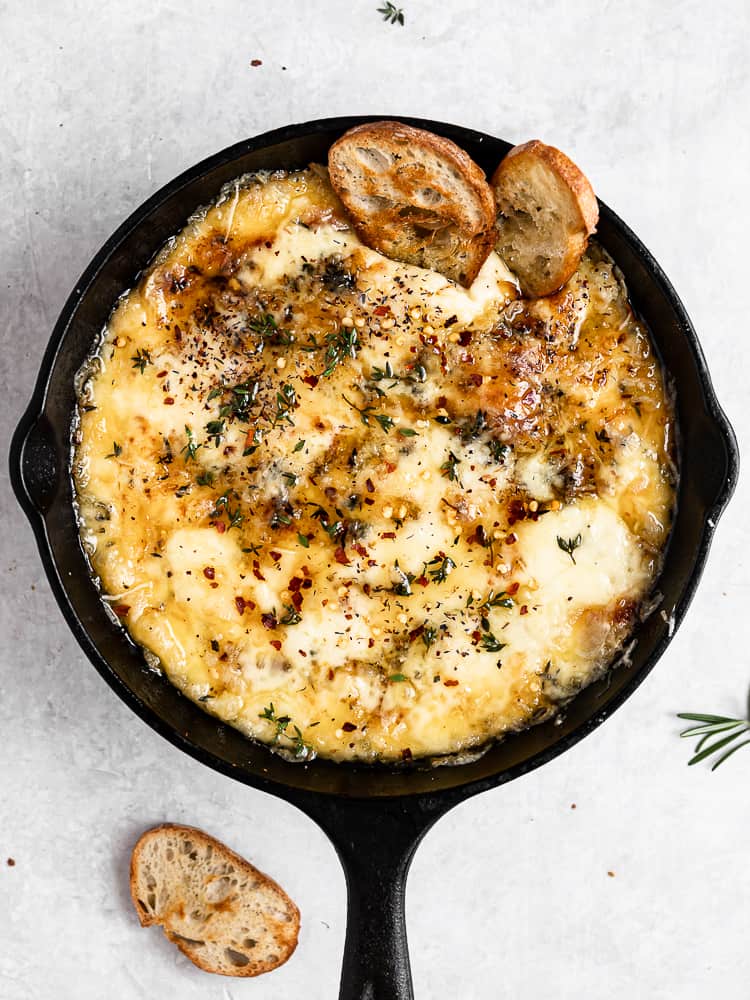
x: 375, y: 815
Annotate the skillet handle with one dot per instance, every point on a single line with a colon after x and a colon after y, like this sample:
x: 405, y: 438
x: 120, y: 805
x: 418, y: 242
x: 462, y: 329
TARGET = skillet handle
x: 376, y: 953
x: 34, y: 463
x: 375, y: 840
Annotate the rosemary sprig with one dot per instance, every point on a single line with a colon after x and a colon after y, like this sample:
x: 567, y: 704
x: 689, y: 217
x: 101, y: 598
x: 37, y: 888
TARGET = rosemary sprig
x: 392, y: 14
x: 707, y: 726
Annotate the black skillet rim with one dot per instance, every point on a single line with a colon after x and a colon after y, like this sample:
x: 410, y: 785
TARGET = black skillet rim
x: 35, y: 410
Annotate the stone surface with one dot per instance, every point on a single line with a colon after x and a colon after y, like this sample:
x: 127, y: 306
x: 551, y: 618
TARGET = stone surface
x: 510, y: 894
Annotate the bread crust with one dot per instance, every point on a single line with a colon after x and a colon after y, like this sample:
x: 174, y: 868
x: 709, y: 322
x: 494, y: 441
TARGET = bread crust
x: 146, y: 919
x: 386, y: 228
x: 582, y: 198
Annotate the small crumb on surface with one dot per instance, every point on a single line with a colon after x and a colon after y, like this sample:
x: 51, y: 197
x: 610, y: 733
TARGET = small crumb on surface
x: 11, y: 862
x: 256, y: 62
x: 611, y: 874
x: 572, y: 805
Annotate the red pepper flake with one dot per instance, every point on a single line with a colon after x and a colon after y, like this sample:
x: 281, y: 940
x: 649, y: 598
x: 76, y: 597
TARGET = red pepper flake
x: 169, y: 401
x: 268, y: 619
x: 422, y: 581
x: 464, y: 338
x: 360, y: 550
x: 369, y: 501
x: 370, y: 643
x: 177, y: 333
x: 476, y: 379
x: 331, y: 674
x: 121, y: 610
x: 348, y: 727
x: 307, y: 584
x: 302, y: 653
x: 475, y: 637
x: 240, y: 603
x: 389, y: 467
x: 276, y: 644
x: 511, y: 539
x: 366, y: 588
x: 512, y: 589
x: 256, y: 570
x: 387, y: 534
x: 416, y: 632
x: 341, y: 557
x: 451, y: 321
x: 256, y: 62
x: 304, y: 570
x: 524, y: 609
x: 209, y: 572
x: 214, y: 586
x: 369, y: 485
x: 162, y: 374
x: 275, y: 555
x: 450, y: 684
x: 11, y: 862
x: 294, y: 584
x: 382, y: 310
x: 297, y: 601
x: 311, y: 380
x: 220, y: 526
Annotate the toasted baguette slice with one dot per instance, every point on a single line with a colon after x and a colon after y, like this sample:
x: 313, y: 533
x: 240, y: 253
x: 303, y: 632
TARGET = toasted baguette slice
x: 224, y: 914
x: 415, y: 197
x: 546, y: 211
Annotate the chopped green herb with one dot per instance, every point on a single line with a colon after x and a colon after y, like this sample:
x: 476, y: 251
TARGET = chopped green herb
x: 140, y: 359
x: 205, y: 478
x: 444, y: 565
x: 449, y: 468
x: 498, y: 450
x: 339, y: 346
x: 405, y: 580
x: 215, y: 430
x: 292, y: 617
x: 491, y: 644
x: 299, y: 446
x: 286, y: 400
x: 396, y: 678
x: 303, y: 540
x: 191, y: 447
x: 429, y: 635
x: 569, y: 545
x: 407, y: 432
x: 368, y: 412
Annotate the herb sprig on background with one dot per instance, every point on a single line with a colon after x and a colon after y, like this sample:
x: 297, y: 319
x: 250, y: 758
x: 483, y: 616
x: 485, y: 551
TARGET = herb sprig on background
x: 392, y: 14
x: 707, y: 726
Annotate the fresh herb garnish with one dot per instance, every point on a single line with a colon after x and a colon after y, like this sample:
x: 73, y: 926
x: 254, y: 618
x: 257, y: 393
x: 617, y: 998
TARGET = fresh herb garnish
x: 444, y: 565
x: 140, y: 359
x: 222, y: 504
x: 215, y: 430
x: 116, y: 450
x: 493, y: 600
x: 191, y: 447
x: 569, y: 545
x: 299, y: 446
x: 339, y: 346
x: 449, y: 468
x: 405, y: 580
x: 407, y: 432
x: 729, y: 731
x: 491, y: 644
x: 292, y: 616
x: 396, y: 678
x: 429, y: 635
x: 242, y: 397
x: 498, y: 450
x: 304, y: 540
x: 368, y: 412
x: 387, y: 374
x: 392, y: 14
x: 286, y: 400
x: 205, y: 478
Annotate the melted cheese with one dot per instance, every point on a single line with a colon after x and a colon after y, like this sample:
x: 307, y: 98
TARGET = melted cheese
x: 354, y: 509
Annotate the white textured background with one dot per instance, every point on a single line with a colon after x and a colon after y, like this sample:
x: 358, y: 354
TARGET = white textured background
x: 509, y: 896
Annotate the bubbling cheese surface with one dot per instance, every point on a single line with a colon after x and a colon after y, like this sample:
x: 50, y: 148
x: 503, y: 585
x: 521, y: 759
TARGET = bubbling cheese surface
x: 354, y: 509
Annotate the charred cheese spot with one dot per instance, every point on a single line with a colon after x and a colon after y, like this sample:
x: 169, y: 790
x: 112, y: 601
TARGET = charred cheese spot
x: 359, y: 511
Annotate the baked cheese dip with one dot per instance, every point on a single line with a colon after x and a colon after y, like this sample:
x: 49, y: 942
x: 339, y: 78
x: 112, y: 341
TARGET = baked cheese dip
x: 354, y: 509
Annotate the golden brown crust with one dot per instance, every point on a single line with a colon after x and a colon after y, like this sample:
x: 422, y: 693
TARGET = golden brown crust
x: 286, y: 947
x: 386, y: 201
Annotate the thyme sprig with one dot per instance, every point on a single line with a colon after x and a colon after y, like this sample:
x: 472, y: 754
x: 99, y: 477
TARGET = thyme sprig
x: 392, y: 14
x: 707, y: 726
x: 368, y: 413
x: 141, y: 358
x: 299, y: 747
x: 340, y: 346
x: 569, y: 545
